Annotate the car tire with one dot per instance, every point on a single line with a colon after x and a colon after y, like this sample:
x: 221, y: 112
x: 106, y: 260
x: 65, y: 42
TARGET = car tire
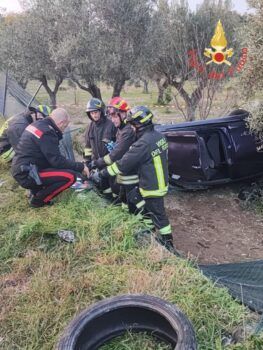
x: 112, y: 317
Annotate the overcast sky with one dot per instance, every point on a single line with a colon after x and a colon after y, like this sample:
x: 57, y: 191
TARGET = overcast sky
x: 238, y: 5
x: 10, y: 5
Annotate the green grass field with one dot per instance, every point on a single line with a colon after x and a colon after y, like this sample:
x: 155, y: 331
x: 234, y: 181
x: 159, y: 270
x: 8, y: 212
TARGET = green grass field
x: 45, y: 282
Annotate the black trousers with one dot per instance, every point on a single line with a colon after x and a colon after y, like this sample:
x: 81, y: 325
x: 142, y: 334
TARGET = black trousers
x: 125, y: 190
x: 154, y: 209
x: 54, y: 181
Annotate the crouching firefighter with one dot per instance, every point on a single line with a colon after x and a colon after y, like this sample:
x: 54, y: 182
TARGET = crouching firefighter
x: 117, y: 110
x: 99, y: 135
x: 148, y: 156
x: 14, y: 127
x: 38, y: 164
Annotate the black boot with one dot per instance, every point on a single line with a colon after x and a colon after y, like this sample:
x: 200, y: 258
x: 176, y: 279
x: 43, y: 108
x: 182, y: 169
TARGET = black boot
x: 35, y: 202
x: 166, y: 241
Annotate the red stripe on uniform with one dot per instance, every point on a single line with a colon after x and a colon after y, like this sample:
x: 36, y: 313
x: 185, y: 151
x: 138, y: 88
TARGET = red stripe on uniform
x: 60, y: 189
x: 33, y: 130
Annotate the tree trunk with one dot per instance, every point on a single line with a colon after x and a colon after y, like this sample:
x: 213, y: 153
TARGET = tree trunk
x: 192, y: 100
x: 145, y: 86
x: 191, y: 108
x: 52, y: 93
x: 161, y: 88
x: 160, y: 92
x: 117, y: 87
x: 52, y: 99
x: 92, y: 88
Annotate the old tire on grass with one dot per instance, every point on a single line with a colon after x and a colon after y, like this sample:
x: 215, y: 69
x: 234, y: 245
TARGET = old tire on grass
x: 112, y: 317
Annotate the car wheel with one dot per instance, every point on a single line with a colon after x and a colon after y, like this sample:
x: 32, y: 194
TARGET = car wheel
x: 112, y: 317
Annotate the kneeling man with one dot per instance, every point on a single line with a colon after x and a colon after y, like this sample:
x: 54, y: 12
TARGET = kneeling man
x: 38, y: 164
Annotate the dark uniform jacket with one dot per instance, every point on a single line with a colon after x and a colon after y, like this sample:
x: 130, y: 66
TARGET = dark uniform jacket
x: 13, y: 130
x: 125, y: 137
x: 39, y: 145
x: 149, y: 156
x: 97, y: 135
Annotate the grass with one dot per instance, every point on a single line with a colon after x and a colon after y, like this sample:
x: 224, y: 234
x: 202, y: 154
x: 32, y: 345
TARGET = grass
x: 132, y: 341
x: 45, y: 282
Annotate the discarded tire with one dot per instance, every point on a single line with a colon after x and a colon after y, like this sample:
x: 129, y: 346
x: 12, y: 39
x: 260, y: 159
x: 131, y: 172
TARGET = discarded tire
x: 112, y: 317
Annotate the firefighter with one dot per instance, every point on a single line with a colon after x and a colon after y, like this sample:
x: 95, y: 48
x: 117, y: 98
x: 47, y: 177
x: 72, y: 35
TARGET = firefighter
x: 38, y: 164
x: 149, y: 157
x: 13, y: 128
x: 117, y: 110
x: 99, y: 136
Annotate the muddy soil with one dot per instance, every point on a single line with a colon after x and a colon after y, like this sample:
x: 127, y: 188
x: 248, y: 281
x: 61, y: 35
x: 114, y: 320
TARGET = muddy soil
x: 213, y: 226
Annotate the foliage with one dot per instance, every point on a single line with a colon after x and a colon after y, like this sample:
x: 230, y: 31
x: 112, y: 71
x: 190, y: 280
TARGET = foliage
x: 112, y: 41
x: 123, y: 28
x: 181, y: 31
x: 253, y: 35
x: 27, y: 45
x: 256, y: 120
x: 252, y: 79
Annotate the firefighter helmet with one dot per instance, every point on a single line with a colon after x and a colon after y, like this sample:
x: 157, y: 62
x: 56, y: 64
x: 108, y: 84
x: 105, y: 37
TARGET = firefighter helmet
x: 42, y: 109
x: 119, y: 104
x: 139, y: 116
x: 94, y: 104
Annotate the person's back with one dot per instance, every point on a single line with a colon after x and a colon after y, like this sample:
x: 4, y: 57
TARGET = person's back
x: 10, y: 134
x: 38, y: 164
x: 14, y: 128
x: 153, y: 169
x: 29, y: 147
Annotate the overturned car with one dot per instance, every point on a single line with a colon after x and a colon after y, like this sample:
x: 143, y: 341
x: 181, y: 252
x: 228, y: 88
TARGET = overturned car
x: 212, y: 152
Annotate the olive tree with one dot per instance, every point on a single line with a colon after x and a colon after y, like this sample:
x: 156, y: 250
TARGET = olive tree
x: 182, y: 32
x: 122, y: 27
x: 252, y: 79
x: 79, y: 50
x: 29, y: 40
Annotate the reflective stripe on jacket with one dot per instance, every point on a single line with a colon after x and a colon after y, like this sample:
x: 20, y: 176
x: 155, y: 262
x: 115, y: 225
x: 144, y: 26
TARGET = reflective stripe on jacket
x: 39, y: 145
x: 148, y: 156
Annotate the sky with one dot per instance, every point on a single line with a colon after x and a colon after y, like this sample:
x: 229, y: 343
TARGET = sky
x: 238, y: 5
x: 10, y: 5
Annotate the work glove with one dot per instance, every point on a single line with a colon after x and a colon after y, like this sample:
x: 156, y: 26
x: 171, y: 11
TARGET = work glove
x: 91, y: 165
x: 95, y: 176
x: 110, y: 146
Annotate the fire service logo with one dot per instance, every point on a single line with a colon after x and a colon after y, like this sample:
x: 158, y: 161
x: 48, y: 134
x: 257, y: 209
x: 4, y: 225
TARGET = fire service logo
x: 218, y: 54
x: 218, y: 42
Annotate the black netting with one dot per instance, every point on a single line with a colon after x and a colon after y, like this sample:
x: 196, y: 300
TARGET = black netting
x: 66, y: 146
x: 244, y: 281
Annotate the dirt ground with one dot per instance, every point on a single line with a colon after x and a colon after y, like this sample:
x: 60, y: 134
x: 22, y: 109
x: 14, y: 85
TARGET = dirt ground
x: 213, y: 227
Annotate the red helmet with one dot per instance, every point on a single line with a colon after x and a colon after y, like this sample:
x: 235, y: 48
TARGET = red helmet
x: 119, y: 103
